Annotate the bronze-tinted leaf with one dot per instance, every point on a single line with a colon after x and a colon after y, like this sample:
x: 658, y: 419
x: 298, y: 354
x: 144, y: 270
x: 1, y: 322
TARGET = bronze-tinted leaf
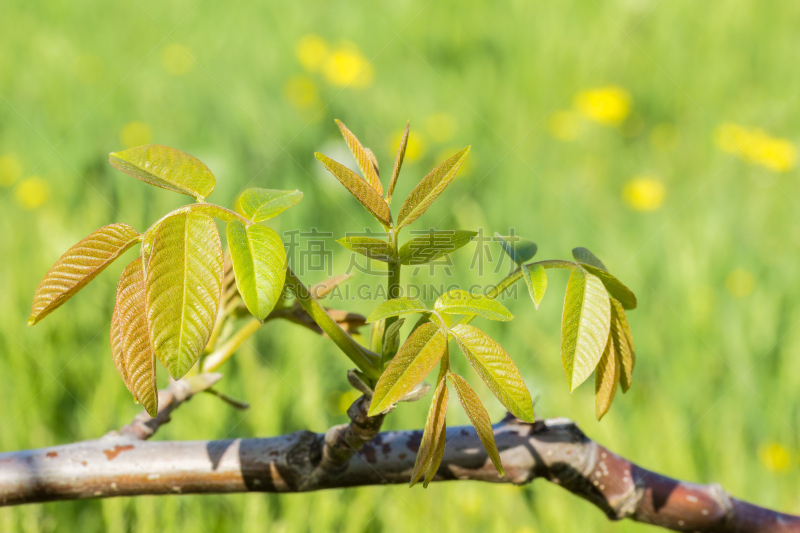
x: 371, y: 247
x: 432, y: 245
x: 496, y: 368
x: 623, y: 339
x: 415, y: 359
x: 116, y: 347
x: 366, y: 163
x: 434, y: 431
x: 135, y: 345
x: 398, y: 162
x: 439, y: 442
x: 429, y: 189
x: 360, y: 189
x: 167, y: 168
x: 606, y: 378
x: 184, y: 288
x: 479, y: 418
x: 80, y: 265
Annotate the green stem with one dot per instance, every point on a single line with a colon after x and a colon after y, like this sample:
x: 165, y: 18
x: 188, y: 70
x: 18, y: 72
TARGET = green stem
x: 393, y: 282
x: 368, y: 362
x: 214, y: 360
x: 515, y: 276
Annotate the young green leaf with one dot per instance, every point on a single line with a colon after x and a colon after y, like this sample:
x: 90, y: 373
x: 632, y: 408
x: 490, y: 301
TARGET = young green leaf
x: 216, y: 211
x: 583, y: 255
x: 536, y: 280
x: 434, y: 429
x: 259, y: 264
x: 167, y: 168
x: 606, y: 378
x: 360, y: 189
x: 429, y: 189
x: 518, y: 249
x: 391, y: 339
x: 376, y: 332
x: 369, y: 246
x: 623, y: 343
x: 398, y: 163
x: 134, y: 340
x: 614, y: 287
x: 396, y: 307
x: 584, y: 326
x: 479, y: 418
x: 461, y: 302
x: 415, y: 359
x: 433, y: 245
x: 262, y: 204
x: 184, y: 287
x: 362, y: 156
x: 78, y: 266
x: 496, y: 369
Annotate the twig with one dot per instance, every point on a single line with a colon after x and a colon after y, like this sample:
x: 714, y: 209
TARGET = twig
x: 554, y: 449
x: 144, y: 426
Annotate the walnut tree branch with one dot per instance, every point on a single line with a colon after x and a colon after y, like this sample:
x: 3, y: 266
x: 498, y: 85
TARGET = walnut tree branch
x: 554, y: 449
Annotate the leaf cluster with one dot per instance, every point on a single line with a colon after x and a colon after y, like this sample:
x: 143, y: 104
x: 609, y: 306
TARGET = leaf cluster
x: 174, y: 299
x: 169, y: 297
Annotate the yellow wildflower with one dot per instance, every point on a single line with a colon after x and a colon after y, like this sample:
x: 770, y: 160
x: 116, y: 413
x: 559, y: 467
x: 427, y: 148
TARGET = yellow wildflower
x: 564, y: 125
x: 176, y: 59
x: 134, y: 134
x: 440, y: 126
x: 644, y: 193
x: 606, y: 105
x: 311, y: 52
x: 414, y: 147
x: 665, y: 137
x: 347, y: 67
x: 32, y: 192
x: 89, y: 68
x: 301, y: 91
x: 774, y: 457
x: 10, y: 170
x: 778, y: 155
x: 740, y: 283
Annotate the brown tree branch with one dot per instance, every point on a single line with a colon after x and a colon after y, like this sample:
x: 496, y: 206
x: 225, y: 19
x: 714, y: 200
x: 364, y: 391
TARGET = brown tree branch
x: 556, y: 450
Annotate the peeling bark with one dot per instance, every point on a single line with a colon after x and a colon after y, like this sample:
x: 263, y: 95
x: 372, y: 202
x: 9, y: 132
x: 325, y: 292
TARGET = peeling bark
x: 556, y: 450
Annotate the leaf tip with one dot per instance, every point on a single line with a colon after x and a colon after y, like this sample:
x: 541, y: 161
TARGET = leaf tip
x: 319, y: 156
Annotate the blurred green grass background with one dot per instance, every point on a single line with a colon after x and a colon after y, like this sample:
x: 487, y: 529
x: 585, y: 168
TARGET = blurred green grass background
x: 603, y: 124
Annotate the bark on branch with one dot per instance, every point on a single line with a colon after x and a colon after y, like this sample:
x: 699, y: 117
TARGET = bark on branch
x: 124, y: 465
